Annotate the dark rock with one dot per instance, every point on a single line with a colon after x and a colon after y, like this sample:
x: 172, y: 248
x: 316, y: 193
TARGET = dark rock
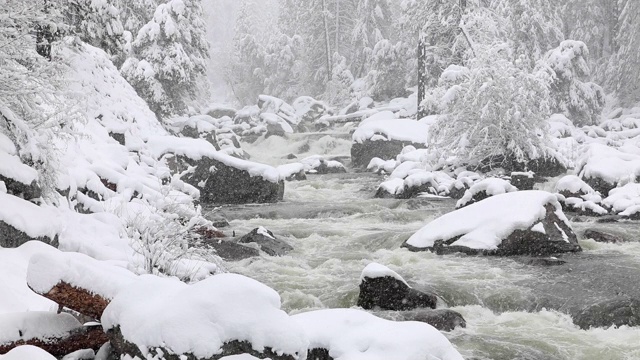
x: 291, y: 157
x: 234, y: 347
x: 441, y: 319
x: 275, y: 130
x: 543, y: 261
x: 220, y: 112
x: 267, y: 242
x: 609, y: 219
x: 220, y: 222
x: 119, y: 137
x: 616, y: 312
x: 299, y: 176
x: 10, y: 237
x: 600, y: 185
x: 477, y: 197
x: 546, y: 167
x: 324, y: 168
x: 601, y: 236
x: 230, y: 250
x: 522, y: 181
x: 25, y: 191
x: 389, y: 293
x: 362, y: 153
x: 318, y: 354
x: 229, y: 185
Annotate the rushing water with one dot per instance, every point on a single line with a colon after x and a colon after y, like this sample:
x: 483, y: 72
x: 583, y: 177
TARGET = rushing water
x: 513, y: 310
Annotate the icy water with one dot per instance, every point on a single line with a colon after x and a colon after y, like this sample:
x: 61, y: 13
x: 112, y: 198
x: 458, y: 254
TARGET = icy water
x: 513, y: 310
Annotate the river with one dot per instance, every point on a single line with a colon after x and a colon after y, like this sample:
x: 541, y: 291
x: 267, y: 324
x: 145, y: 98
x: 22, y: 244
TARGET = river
x: 513, y: 310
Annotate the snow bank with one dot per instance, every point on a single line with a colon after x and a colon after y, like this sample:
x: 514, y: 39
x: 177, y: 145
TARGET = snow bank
x: 392, y: 129
x: 40, y: 325
x: 27, y: 352
x: 200, y: 318
x: 351, y: 334
x: 46, y: 270
x: 483, y: 225
x: 16, y: 295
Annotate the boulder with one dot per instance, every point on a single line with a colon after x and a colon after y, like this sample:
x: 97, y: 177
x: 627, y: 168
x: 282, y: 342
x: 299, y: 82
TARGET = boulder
x: 602, y: 236
x: 319, y: 165
x: 618, y: 312
x: 518, y: 223
x: 484, y: 189
x: 362, y: 153
x: 266, y: 241
x: 230, y: 250
x: 441, y: 319
x: 218, y: 112
x: 382, y: 288
x: 10, y: 237
x: 523, y: 180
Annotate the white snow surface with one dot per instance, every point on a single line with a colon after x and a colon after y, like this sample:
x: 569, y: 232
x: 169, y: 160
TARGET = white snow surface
x: 484, y: 224
x: 241, y: 357
x: 392, y: 129
x: 287, y: 170
x: 33, y: 220
x: 201, y: 317
x: 27, y: 352
x: 610, y: 164
x: 13, y: 168
x: 574, y: 185
x: 352, y: 334
x: 35, y: 325
x: 492, y: 186
x: 375, y: 270
x: 622, y: 198
x: 103, y: 278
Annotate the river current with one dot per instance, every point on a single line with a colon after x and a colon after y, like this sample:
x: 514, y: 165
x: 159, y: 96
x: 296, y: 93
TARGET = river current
x: 513, y: 310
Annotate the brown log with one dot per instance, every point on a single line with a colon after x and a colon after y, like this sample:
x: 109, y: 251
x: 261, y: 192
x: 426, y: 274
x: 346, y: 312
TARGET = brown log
x: 84, y: 338
x: 81, y: 300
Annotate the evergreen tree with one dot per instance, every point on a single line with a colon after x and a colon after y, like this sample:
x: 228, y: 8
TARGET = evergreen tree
x: 372, y: 26
x: 625, y: 65
x: 169, y: 59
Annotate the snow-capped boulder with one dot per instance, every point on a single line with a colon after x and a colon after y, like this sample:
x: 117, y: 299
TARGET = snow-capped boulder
x: 217, y: 111
x: 573, y: 186
x: 416, y: 182
x: 272, y: 105
x: 624, y: 200
x: 484, y: 189
x: 266, y: 241
x: 226, y: 314
x: 317, y: 164
x: 220, y: 178
x: 308, y: 111
x: 618, y: 312
x: 605, y: 168
x: 230, y: 250
x: 441, y: 319
x: 27, y: 352
x: 292, y: 172
x: 523, y: 180
x: 518, y: 223
x: 383, y: 288
x: 276, y: 126
x: 19, y: 179
x: 344, y: 334
x: 385, y: 138
x: 22, y: 221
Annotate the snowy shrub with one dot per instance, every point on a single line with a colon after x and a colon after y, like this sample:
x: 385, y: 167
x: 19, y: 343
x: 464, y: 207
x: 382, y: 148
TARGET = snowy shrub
x: 498, y: 116
x: 386, y: 64
x: 566, y: 69
x: 338, y: 89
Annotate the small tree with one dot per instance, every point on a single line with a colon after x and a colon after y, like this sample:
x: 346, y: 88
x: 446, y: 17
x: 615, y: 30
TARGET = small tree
x: 497, y: 117
x: 168, y: 66
x: 566, y: 70
x: 385, y: 78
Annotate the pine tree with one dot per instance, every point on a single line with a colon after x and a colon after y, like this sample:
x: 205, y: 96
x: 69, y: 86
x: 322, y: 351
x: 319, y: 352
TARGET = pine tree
x: 169, y: 59
x: 372, y: 26
x: 625, y: 65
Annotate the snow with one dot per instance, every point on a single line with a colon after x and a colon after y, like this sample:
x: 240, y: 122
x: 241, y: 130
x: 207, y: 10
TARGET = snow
x: 200, y: 318
x: 393, y: 186
x: 27, y: 352
x: 491, y: 186
x: 106, y: 279
x: 287, y: 170
x: 351, y: 334
x: 610, y: 164
x: 622, y: 198
x: 33, y: 220
x: 35, y: 325
x: 16, y: 295
x: 375, y: 270
x: 6, y: 145
x: 573, y: 185
x: 392, y: 129
x: 313, y: 162
x: 12, y: 168
x: 241, y: 357
x: 484, y: 224
x: 264, y: 232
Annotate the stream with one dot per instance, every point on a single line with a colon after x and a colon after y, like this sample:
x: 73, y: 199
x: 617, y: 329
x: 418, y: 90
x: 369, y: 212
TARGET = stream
x: 513, y: 310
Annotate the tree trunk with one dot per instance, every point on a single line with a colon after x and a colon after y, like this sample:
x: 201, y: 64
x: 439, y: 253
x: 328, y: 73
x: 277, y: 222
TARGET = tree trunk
x: 325, y: 21
x: 77, y: 299
x: 422, y: 74
x: 83, y: 338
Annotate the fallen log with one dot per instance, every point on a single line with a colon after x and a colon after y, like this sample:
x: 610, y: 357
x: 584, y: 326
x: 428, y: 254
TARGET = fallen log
x: 79, y: 339
x: 81, y: 300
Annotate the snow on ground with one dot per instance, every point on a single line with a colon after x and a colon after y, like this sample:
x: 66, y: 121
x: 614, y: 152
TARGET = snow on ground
x: 27, y: 352
x: 352, y: 334
x: 40, y: 325
x: 483, y: 225
x: 16, y: 295
x: 201, y: 317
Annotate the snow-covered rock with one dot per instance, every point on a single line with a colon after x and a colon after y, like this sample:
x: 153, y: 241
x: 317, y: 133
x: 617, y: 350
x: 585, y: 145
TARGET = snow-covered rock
x: 409, y: 180
x: 218, y: 111
x: 22, y: 221
x: 273, y: 105
x: 41, y: 325
x: 318, y: 164
x: 624, y: 200
x: 266, y: 241
x: 27, y: 352
x: 518, y: 223
x: 604, y: 167
x: 383, y: 288
x: 484, y: 189
x: 19, y: 179
x: 385, y: 137
x: 226, y: 314
x: 293, y: 171
x: 349, y: 334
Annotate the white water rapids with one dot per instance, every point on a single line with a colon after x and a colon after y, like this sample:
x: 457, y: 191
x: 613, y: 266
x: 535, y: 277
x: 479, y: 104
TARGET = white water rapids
x: 513, y: 310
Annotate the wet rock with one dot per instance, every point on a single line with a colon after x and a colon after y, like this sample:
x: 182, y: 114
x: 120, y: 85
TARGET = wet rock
x: 441, y: 319
x: 523, y: 180
x: 362, y: 153
x: 602, y: 236
x: 267, y: 242
x: 291, y: 157
x: 548, y: 261
x: 26, y: 191
x: 382, y: 288
x: 329, y: 167
x: 230, y: 250
x: 546, y: 167
x: 119, y: 137
x: 615, y: 312
x: 218, y: 112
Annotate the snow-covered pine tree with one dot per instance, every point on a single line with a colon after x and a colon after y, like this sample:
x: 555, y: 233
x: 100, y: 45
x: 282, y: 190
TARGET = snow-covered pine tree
x: 387, y: 70
x: 372, y: 25
x: 625, y: 65
x: 568, y: 72
x: 284, y: 71
x: 168, y: 64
